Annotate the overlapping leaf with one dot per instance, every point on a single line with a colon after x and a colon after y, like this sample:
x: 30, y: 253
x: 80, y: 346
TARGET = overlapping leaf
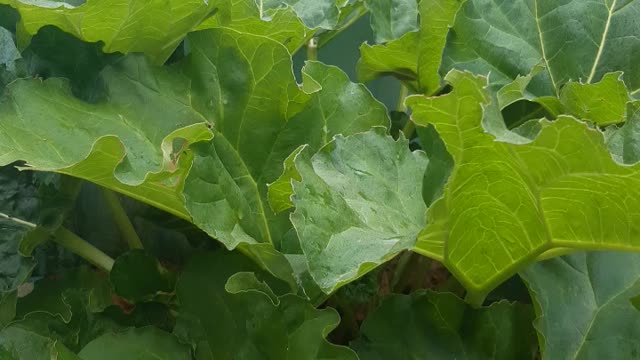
x: 427, y: 325
x: 583, y: 303
x: 123, y: 25
x: 283, y: 25
x: 415, y: 57
x: 314, y: 13
x: 358, y: 204
x: 506, y: 203
x: 575, y: 41
x: 246, y: 88
x: 229, y: 311
x: 116, y: 142
x: 58, y: 317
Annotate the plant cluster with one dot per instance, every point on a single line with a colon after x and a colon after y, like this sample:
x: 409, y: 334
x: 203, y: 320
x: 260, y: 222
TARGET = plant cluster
x: 173, y: 186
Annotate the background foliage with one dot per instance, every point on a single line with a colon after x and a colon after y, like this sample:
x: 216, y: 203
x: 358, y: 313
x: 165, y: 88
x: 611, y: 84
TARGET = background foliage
x: 319, y: 179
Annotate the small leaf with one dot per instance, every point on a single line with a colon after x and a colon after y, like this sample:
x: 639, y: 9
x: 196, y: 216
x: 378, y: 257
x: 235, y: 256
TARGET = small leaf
x: 604, y: 102
x: 137, y: 276
x: 147, y: 343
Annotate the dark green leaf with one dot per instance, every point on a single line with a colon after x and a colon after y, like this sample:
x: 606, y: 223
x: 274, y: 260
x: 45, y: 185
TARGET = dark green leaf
x: 136, y: 276
x: 428, y: 325
x: 583, y: 303
x: 147, y: 343
x: 242, y: 318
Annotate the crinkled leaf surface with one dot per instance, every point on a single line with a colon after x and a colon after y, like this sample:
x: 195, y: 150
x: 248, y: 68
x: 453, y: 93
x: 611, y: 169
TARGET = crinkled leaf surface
x: 428, y: 325
x: 283, y: 25
x: 577, y: 40
x: 246, y: 87
x: 147, y: 343
x: 415, y: 57
x: 358, y: 204
x: 506, y: 203
x: 313, y: 13
x: 390, y: 19
x: 583, y: 303
x: 245, y: 319
x: 154, y: 27
x: 117, y: 143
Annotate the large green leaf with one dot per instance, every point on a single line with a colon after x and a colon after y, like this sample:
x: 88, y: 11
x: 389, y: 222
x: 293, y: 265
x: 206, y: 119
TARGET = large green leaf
x: 228, y: 313
x: 416, y: 57
x: 428, y: 325
x: 622, y: 141
x: 147, y: 343
x: 359, y: 203
x: 578, y: 40
x: 116, y: 142
x: 246, y: 87
x: 390, y: 19
x: 506, y: 203
x: 583, y: 303
x: 154, y: 27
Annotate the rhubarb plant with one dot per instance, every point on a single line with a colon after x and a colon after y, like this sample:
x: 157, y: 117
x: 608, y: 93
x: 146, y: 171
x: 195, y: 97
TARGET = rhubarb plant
x: 201, y: 180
